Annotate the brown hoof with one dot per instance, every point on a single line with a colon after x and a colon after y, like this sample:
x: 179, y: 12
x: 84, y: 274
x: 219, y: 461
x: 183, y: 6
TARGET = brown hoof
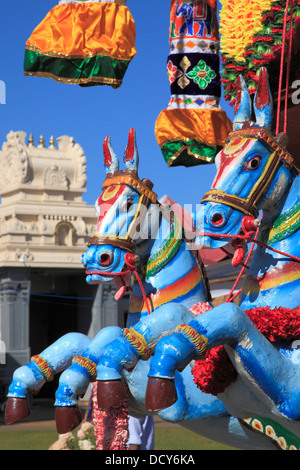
x: 16, y: 409
x: 67, y: 418
x: 109, y: 392
x: 160, y: 394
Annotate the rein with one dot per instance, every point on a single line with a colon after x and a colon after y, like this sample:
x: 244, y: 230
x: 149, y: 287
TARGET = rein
x: 129, y: 261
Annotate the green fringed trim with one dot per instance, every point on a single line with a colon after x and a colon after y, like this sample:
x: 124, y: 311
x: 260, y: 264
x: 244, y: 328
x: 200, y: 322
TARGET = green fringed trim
x: 188, y: 153
x: 101, y: 70
x: 285, y: 225
x: 167, y: 251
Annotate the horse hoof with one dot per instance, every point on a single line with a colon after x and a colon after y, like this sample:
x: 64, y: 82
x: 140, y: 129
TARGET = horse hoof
x: 67, y: 418
x: 160, y: 394
x: 109, y: 393
x: 16, y: 409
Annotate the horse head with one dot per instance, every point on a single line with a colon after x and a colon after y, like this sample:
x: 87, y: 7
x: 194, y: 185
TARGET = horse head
x: 122, y: 210
x: 253, y: 170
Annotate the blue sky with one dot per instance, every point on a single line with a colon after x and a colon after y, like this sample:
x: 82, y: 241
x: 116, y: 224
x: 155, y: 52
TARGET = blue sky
x: 42, y: 106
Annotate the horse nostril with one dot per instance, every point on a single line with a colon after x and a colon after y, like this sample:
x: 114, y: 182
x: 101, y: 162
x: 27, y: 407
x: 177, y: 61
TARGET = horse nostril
x: 105, y: 259
x: 217, y: 219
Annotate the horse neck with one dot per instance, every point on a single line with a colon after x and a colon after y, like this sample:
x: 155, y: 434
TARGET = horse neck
x: 169, y: 271
x: 274, y: 279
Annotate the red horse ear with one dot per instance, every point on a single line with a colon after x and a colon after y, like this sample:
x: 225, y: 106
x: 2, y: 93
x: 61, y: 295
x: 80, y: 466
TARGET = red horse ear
x: 263, y: 94
x: 131, y: 155
x: 243, y: 106
x: 111, y: 162
x: 263, y: 103
x: 238, y: 92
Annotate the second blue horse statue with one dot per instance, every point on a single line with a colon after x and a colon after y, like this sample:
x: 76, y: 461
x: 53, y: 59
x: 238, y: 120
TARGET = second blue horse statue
x: 255, y: 173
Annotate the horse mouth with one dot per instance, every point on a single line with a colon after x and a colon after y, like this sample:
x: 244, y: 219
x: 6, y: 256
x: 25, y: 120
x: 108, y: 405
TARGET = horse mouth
x: 121, y: 280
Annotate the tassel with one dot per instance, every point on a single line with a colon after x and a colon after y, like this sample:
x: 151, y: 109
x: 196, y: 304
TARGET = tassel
x: 238, y: 254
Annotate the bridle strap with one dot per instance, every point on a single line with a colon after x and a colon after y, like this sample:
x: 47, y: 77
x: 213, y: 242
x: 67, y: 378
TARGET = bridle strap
x: 147, y: 196
x: 234, y: 202
x: 131, y: 180
x: 127, y: 245
x: 131, y: 269
x: 247, y: 206
x: 144, y: 202
x: 263, y: 136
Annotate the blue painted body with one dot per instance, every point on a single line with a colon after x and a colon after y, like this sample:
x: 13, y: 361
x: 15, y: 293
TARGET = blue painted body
x: 268, y: 373
x: 75, y: 380
x: 59, y: 356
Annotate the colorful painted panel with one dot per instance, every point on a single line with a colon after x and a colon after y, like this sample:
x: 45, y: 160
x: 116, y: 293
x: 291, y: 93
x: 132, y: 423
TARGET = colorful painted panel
x: 193, y: 128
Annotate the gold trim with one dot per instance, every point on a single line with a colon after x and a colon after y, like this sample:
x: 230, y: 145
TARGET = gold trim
x: 76, y: 81
x: 87, y: 364
x: 237, y: 207
x: 199, y: 342
x: 60, y: 55
x: 134, y: 183
x: 143, y: 190
x: 159, y: 259
x: 114, y: 238
x: 118, y: 242
x: 261, y: 134
x: 186, y: 147
x: 44, y: 367
x: 215, y: 192
x: 186, y: 139
x: 137, y: 214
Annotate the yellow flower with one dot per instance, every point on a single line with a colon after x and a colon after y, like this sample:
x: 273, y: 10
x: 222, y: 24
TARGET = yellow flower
x: 256, y: 424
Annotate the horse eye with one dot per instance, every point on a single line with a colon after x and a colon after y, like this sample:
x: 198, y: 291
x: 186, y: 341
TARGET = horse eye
x: 253, y: 163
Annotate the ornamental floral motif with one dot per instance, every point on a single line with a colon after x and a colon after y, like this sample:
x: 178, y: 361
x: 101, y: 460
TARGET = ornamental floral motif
x: 287, y: 442
x: 173, y: 72
x: 202, y: 74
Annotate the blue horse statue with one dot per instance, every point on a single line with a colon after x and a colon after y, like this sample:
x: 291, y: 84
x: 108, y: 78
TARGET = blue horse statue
x: 255, y: 175
x: 135, y: 237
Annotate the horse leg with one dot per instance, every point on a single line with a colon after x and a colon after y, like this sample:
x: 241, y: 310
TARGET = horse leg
x: 42, y: 368
x: 74, y: 381
x: 199, y: 412
x: 134, y: 344
x: 267, y: 372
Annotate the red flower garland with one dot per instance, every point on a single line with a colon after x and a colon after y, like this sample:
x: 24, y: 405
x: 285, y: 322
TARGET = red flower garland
x: 110, y: 426
x: 215, y: 372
